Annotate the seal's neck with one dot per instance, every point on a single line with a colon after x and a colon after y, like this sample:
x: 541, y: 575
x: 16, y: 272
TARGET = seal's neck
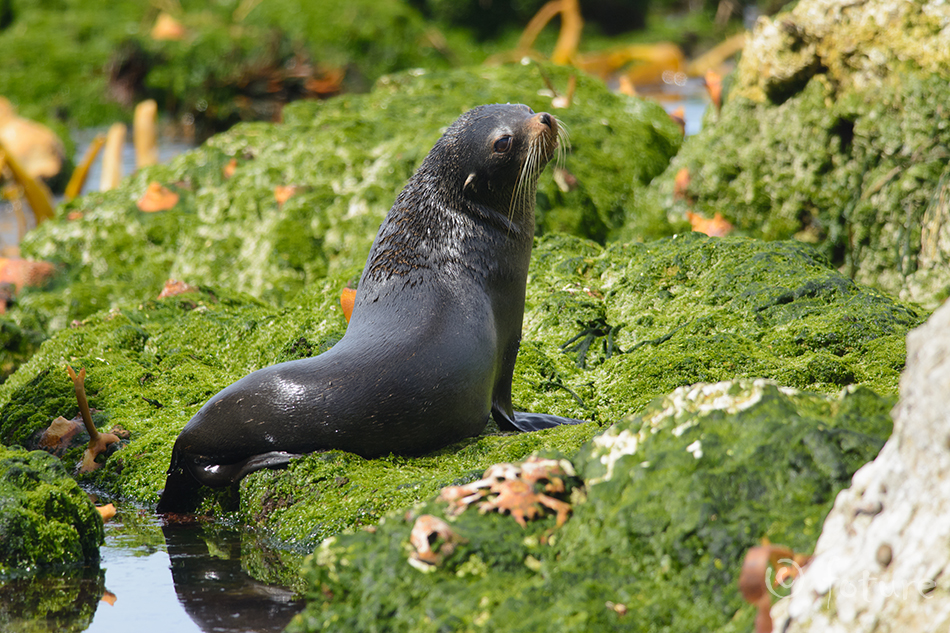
x: 435, y: 232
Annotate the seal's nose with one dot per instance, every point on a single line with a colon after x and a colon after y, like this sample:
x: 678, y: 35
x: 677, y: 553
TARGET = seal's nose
x: 545, y: 118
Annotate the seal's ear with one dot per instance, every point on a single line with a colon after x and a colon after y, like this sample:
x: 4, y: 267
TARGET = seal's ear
x: 469, y: 182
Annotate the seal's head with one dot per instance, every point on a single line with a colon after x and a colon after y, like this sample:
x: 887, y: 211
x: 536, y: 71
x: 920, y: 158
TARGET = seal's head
x: 498, y: 153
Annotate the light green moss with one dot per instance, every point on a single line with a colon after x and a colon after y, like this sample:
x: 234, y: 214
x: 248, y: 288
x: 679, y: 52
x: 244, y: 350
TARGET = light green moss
x: 653, y: 316
x: 672, y: 312
x: 215, y: 74
x: 323, y: 494
x: 834, y: 132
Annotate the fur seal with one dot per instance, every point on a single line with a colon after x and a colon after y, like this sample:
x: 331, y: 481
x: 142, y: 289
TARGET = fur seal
x: 430, y: 348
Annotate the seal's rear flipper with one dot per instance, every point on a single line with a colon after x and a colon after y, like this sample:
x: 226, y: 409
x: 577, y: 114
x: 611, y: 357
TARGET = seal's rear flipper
x: 180, y: 495
x: 186, y: 474
x: 537, y: 421
x: 274, y: 459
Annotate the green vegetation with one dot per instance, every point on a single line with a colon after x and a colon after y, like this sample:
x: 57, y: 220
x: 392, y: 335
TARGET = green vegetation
x: 651, y: 317
x: 674, y: 498
x: 243, y: 60
x: 98, y: 59
x: 825, y: 140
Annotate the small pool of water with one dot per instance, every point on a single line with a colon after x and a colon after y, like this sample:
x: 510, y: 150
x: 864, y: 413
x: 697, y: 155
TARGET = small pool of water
x: 191, y: 580
x: 154, y: 578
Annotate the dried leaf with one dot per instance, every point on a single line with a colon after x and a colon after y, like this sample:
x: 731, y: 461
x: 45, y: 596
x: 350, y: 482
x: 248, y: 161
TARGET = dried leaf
x: 175, y: 287
x: 167, y: 28
x: 25, y: 272
x: 282, y: 193
x: 718, y: 226
x: 753, y: 579
x: 106, y: 512
x: 229, y: 169
x: 58, y: 436
x: 347, y: 298
x: 157, y: 198
x: 681, y: 184
x: 679, y: 117
x: 714, y: 88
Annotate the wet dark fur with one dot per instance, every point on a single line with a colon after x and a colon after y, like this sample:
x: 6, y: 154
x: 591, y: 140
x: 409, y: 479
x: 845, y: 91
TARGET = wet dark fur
x: 430, y: 349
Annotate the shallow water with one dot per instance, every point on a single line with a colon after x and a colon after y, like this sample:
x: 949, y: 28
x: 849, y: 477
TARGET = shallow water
x: 153, y: 578
x: 139, y: 576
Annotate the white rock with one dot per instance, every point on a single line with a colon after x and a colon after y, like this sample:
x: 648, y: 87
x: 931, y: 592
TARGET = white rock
x: 882, y: 562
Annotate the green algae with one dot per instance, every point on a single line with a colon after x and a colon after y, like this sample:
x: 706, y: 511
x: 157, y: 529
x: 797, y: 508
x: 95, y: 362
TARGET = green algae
x: 46, y: 521
x: 17, y: 343
x: 674, y: 498
x: 149, y: 368
x: 688, y: 309
x: 324, y: 494
x: 204, y: 76
x: 348, y: 159
x: 829, y: 138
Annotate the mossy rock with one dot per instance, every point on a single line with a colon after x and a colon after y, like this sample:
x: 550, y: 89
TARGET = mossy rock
x: 348, y: 158
x: 614, y: 327
x: 651, y: 317
x: 835, y: 131
x: 18, y: 342
x: 46, y: 520
x: 674, y: 498
x: 324, y: 494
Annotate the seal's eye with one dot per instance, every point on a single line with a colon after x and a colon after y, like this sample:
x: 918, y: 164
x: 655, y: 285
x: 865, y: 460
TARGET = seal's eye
x: 502, y: 145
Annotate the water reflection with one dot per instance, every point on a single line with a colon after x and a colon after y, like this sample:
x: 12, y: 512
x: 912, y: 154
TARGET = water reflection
x: 52, y: 601
x: 182, y: 578
x: 214, y: 589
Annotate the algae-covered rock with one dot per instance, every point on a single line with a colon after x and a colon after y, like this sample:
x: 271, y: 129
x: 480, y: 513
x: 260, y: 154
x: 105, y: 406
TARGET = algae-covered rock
x: 674, y: 498
x: 638, y: 320
x: 325, y: 493
x: 346, y: 160
x: 606, y: 331
x: 17, y: 343
x: 46, y: 520
x: 836, y: 132
x: 150, y: 367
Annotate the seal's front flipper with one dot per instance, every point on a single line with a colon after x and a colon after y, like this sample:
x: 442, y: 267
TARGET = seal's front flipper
x: 537, y: 421
x: 180, y: 493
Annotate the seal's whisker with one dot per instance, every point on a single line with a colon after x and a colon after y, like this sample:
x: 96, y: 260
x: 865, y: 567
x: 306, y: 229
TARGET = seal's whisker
x: 563, y: 145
